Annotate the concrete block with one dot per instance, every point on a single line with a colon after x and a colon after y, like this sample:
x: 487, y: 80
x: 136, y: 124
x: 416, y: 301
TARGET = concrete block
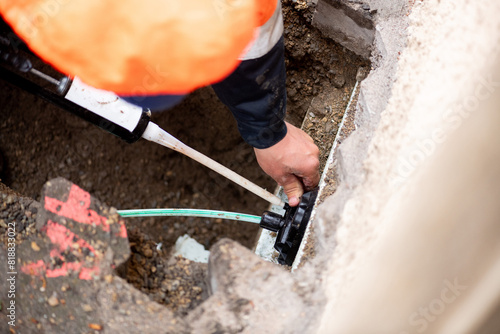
x: 350, y: 26
x: 250, y: 295
x: 65, y: 278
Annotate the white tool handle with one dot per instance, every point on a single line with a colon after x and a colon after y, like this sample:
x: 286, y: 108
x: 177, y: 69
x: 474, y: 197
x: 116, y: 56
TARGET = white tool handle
x: 156, y: 134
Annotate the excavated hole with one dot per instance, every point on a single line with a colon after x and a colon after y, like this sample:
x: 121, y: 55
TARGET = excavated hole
x: 39, y: 141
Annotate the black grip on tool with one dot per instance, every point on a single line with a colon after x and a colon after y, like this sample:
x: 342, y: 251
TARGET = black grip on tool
x: 14, y: 59
x: 117, y: 130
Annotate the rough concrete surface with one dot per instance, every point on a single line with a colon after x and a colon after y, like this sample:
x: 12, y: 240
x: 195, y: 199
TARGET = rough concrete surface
x: 350, y: 25
x: 441, y: 76
x: 65, y: 279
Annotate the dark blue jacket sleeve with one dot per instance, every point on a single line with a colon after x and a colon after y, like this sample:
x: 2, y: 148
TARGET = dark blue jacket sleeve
x: 256, y: 95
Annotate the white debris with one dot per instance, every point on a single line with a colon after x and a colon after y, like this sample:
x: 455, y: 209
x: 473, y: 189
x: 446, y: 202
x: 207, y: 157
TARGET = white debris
x: 190, y: 249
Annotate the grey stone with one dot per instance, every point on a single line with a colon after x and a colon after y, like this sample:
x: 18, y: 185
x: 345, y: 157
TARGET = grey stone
x: 347, y: 24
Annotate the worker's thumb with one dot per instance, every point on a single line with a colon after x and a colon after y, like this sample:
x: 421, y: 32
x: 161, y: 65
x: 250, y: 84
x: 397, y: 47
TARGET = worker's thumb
x: 293, y: 189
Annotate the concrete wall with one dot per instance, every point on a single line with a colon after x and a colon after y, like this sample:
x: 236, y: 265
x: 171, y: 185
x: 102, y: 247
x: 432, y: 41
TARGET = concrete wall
x: 409, y: 241
x: 349, y: 24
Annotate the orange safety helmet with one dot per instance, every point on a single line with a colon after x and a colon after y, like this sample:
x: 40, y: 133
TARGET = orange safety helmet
x: 139, y: 47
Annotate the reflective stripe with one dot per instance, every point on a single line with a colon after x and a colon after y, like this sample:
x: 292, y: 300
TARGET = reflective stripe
x: 267, y: 36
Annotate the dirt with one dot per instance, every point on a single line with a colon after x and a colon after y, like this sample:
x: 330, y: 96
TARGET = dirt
x: 39, y: 142
x: 171, y: 280
x: 320, y: 77
x: 348, y: 126
x: 16, y: 212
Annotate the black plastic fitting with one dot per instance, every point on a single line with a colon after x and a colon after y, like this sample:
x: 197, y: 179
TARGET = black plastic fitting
x: 290, y: 227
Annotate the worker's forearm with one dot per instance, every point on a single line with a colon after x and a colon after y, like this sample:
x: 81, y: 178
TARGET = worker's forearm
x: 256, y: 95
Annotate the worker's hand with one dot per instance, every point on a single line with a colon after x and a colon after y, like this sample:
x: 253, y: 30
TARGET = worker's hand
x: 293, y: 163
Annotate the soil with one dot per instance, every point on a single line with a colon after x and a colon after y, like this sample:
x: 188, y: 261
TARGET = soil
x: 20, y: 210
x: 174, y: 281
x: 320, y: 77
x: 348, y: 126
x: 38, y: 142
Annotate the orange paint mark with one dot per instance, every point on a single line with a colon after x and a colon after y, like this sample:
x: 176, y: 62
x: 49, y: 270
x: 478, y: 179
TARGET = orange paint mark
x: 77, y: 207
x: 62, y: 238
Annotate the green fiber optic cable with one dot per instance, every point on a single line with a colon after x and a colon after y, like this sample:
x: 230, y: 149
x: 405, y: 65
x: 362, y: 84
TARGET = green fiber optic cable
x: 189, y: 213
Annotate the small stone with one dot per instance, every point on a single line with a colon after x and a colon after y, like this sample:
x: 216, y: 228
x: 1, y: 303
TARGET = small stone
x: 329, y: 127
x: 87, y: 308
x: 108, y: 278
x: 148, y: 252
x: 96, y: 327
x: 175, y: 285
x: 35, y: 247
x: 53, y: 301
x: 338, y: 81
x: 361, y: 74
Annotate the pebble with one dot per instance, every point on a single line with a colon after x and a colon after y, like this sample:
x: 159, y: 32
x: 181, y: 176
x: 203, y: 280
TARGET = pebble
x: 328, y: 127
x: 361, y: 74
x: 87, y: 308
x: 96, y: 327
x: 148, y: 252
x: 338, y: 81
x: 53, y: 301
x: 35, y: 247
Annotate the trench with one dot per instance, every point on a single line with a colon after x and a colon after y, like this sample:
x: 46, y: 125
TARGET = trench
x: 38, y: 142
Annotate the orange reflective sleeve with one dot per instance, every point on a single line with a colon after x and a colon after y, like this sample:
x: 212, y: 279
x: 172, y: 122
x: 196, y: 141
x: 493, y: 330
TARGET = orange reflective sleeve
x: 139, y: 47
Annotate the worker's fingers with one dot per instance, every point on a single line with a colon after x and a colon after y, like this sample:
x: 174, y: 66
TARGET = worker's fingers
x: 312, y: 180
x: 293, y: 190
x: 293, y: 163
